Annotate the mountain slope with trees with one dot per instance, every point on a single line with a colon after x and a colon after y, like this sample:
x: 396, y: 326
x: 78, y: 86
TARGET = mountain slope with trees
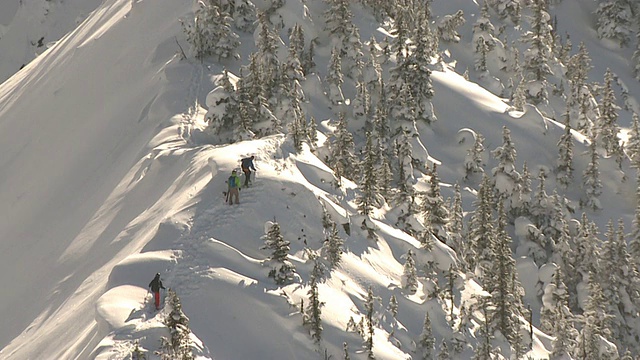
x: 435, y: 180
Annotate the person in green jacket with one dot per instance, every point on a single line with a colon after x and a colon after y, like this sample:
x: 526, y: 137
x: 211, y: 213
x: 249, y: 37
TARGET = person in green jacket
x: 234, y: 188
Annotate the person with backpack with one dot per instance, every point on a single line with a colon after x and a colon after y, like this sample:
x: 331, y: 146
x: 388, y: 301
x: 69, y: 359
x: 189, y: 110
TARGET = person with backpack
x: 247, y: 166
x: 233, y: 188
x: 155, y: 285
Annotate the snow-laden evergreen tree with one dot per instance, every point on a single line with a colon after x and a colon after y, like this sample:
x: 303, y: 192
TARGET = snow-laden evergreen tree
x: 361, y: 105
x: 555, y: 303
x: 404, y: 156
x: 345, y: 351
x: 339, y: 23
x: 594, y: 339
x: 293, y: 112
x: 481, y: 230
x: 334, y: 78
x: 367, y: 199
x: 434, y: 208
x: 591, y: 184
x: 540, y: 204
x: 564, y: 258
x: 501, y: 282
x: 210, y: 33
x: 372, y: 70
x: 510, y: 9
x: 138, y: 353
x: 607, y: 128
x: 474, y: 160
x: 227, y: 99
x: 632, y: 146
x: 245, y: 15
x: 563, y: 344
x: 580, y: 98
x: 178, y: 346
x: 293, y: 66
x: 393, y: 306
x: 342, y: 150
x: 455, y: 226
x: 425, y: 347
x: 409, y: 273
x: 564, y: 164
x: 313, y: 312
x: 443, y: 351
x: 485, y: 335
x: 506, y: 179
x: 268, y: 43
x: 482, y: 54
x: 385, y: 176
x: 282, y: 271
x: 615, y: 21
x: 636, y: 58
x: 370, y: 321
x: 448, y: 26
x: 539, y: 52
x: 334, y: 246
x: 618, y: 276
x: 634, y: 242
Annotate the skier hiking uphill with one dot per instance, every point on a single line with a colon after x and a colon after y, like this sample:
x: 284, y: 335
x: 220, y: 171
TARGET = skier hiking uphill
x: 247, y: 166
x: 155, y: 285
x: 234, y: 188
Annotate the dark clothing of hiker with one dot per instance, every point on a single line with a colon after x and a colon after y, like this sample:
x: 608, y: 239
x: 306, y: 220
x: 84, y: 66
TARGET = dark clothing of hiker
x: 247, y: 166
x: 155, y: 285
x: 234, y: 188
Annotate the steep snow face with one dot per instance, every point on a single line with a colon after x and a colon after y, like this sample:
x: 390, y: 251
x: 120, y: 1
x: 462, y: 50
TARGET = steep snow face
x: 74, y: 123
x: 29, y: 27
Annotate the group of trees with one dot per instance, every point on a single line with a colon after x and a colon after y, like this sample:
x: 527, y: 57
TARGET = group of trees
x: 373, y: 144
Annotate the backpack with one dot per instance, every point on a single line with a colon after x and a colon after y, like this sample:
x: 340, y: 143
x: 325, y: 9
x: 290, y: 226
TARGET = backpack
x: 232, y: 181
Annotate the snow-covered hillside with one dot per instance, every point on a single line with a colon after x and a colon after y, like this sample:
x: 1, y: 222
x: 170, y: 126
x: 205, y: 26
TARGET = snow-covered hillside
x: 110, y: 173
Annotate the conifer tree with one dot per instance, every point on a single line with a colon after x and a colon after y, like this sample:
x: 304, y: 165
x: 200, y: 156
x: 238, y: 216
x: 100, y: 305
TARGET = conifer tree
x: 578, y: 68
x: 500, y: 282
x: 345, y: 351
x: 474, y: 161
x: 138, y: 353
x: 339, y: 23
x: 434, y: 209
x: 370, y: 321
x: 591, y: 183
x: 634, y: 242
x: 443, y: 353
x: 178, y: 346
x: 342, y: 149
x: 404, y: 152
x: 632, y: 145
x: 366, y: 201
x: 393, y: 306
x: 538, y: 53
x: 224, y: 120
x: 614, y: 21
x: 426, y: 343
x: 211, y: 32
x: 484, y: 349
x: 510, y: 9
x: 506, y: 179
x: 448, y: 26
x: 564, y: 164
x: 334, y: 246
x: 455, y: 226
x: 607, y: 123
x: 409, y: 274
x: 284, y: 271
x: 636, y: 58
x: 269, y: 66
x: 334, y: 78
x: 313, y: 313
x: 481, y: 229
x: 245, y: 15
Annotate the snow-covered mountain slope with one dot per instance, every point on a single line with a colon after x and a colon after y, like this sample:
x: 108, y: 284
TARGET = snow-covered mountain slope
x: 107, y: 177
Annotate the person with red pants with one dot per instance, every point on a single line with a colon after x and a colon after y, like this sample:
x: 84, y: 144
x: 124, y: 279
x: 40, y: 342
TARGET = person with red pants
x: 155, y: 285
